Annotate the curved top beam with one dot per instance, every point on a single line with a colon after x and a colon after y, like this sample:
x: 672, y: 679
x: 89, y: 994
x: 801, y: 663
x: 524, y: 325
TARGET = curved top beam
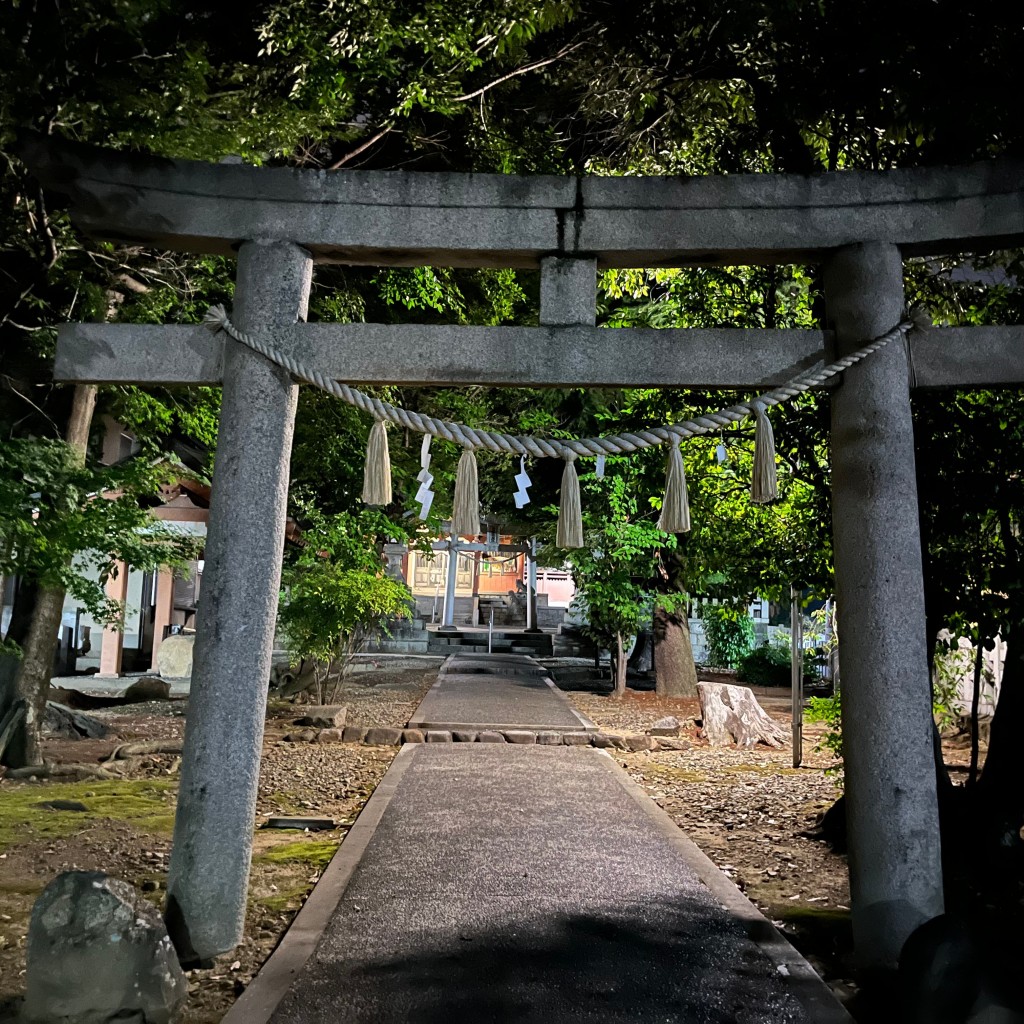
x: 400, y: 218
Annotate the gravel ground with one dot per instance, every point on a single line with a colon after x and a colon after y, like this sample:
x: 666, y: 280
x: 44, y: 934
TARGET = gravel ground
x: 753, y: 814
x: 749, y: 810
x: 332, y: 781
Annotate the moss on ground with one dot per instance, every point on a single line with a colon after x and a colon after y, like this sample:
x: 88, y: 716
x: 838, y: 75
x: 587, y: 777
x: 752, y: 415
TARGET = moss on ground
x: 146, y: 803
x: 314, y: 852
x: 290, y: 899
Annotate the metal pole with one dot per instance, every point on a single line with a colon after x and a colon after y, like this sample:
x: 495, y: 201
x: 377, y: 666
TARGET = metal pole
x: 797, y: 659
x: 490, y: 631
x: 448, y: 619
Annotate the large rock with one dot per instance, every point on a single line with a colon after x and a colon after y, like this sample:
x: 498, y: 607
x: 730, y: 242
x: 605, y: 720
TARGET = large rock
x: 327, y: 716
x: 383, y: 737
x: 63, y: 723
x: 667, y: 726
x: 98, y: 952
x: 174, y: 656
x: 148, y: 688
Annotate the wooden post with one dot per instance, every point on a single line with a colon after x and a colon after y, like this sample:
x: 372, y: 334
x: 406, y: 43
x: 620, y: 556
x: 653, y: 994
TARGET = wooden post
x: 113, y: 638
x: 163, y: 611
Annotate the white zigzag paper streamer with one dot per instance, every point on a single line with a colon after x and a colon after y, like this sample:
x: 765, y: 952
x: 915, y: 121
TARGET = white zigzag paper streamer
x: 522, y: 482
x: 425, y: 496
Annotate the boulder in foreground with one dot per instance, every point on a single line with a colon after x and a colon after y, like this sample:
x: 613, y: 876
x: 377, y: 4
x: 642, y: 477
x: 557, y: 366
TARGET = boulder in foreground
x: 98, y: 952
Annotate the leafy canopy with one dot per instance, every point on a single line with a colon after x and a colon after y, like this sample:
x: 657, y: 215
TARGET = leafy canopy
x: 66, y: 525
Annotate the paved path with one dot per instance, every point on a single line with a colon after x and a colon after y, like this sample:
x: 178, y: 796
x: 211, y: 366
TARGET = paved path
x: 496, y: 691
x: 503, y: 883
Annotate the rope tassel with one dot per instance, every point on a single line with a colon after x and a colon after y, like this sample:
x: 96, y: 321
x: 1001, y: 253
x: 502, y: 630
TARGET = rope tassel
x: 570, y: 516
x: 675, y: 509
x: 764, y: 486
x: 377, y: 471
x: 466, y: 507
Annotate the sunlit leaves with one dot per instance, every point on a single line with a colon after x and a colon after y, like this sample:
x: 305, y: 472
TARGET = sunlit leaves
x: 67, y: 526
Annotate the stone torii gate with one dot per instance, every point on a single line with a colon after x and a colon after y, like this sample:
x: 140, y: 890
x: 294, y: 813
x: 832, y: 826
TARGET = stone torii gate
x: 280, y: 222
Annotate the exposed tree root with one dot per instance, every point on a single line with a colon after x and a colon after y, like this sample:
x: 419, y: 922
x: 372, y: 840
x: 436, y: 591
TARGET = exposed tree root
x: 127, y: 750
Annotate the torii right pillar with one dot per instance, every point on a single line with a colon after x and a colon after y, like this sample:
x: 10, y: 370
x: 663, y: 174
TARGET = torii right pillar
x: 892, y: 806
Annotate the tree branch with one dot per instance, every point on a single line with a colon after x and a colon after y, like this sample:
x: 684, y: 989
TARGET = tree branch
x: 525, y: 69
x: 352, y: 154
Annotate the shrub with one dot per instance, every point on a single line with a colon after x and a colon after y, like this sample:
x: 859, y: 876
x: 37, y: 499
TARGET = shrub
x: 828, y: 711
x: 772, y: 665
x: 729, y: 633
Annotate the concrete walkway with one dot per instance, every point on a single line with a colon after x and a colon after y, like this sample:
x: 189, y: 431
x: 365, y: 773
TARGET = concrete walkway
x: 505, y: 883
x: 496, y: 691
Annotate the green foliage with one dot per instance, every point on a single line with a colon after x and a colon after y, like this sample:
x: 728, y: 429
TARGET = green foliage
x: 829, y: 711
x: 952, y: 664
x: 771, y: 664
x: 729, y: 632
x: 65, y: 525
x: 613, y: 570
x: 336, y: 592
x: 9, y: 649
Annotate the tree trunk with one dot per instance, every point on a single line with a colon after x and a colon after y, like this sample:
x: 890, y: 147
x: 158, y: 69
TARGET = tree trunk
x: 675, y: 674
x: 32, y: 684
x: 619, y: 667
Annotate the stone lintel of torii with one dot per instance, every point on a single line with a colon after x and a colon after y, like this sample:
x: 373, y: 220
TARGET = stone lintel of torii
x: 858, y: 225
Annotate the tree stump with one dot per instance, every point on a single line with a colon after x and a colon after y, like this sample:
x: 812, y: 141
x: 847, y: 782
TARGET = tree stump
x: 732, y: 714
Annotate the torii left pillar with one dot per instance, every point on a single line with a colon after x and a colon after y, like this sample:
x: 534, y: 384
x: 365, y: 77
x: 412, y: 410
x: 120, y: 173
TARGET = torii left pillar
x: 209, y: 871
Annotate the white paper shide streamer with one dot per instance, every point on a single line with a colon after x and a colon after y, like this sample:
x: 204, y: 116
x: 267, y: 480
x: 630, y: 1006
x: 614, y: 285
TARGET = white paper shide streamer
x: 466, y: 511
x: 523, y: 481
x: 425, y: 494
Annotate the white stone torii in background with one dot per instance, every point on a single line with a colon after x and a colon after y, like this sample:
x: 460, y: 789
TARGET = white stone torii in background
x: 280, y: 222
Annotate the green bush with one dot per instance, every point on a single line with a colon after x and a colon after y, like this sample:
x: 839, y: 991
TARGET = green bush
x: 729, y: 633
x: 772, y: 665
x: 829, y: 711
x: 766, y: 666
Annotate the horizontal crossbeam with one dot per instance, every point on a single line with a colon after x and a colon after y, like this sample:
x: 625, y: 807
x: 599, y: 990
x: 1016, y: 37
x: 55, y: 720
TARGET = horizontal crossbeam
x: 577, y: 356
x: 395, y: 218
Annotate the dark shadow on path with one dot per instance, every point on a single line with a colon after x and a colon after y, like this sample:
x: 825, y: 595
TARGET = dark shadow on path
x: 654, y: 962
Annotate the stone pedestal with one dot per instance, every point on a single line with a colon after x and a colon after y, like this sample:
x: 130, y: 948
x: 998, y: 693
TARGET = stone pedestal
x: 892, y: 808
x: 209, y: 868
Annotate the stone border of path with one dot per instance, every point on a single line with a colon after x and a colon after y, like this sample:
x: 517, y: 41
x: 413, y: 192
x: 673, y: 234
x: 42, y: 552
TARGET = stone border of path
x: 259, y: 1001
x: 386, y: 736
